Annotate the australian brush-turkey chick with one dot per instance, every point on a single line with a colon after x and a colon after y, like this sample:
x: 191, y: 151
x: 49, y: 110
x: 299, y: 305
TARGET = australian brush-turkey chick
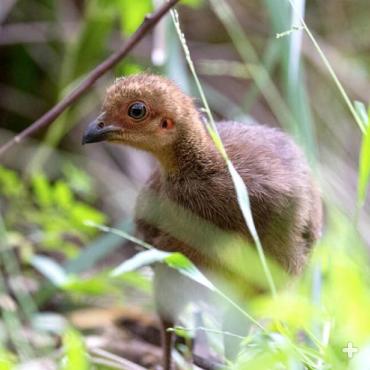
x: 189, y: 203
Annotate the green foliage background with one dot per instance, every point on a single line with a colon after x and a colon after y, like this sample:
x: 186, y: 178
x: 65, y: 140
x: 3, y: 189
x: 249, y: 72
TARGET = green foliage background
x: 55, y: 197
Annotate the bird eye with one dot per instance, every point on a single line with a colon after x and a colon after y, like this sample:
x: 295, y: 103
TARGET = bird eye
x: 137, y: 110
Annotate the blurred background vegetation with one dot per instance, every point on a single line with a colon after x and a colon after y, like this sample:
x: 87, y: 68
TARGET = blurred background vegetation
x: 60, y: 307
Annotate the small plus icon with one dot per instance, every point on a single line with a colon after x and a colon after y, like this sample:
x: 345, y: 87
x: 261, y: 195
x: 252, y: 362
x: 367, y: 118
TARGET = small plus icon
x: 350, y: 350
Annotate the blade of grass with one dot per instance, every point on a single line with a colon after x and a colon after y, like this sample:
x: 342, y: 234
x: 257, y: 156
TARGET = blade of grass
x: 182, y: 264
x: 9, y: 260
x: 295, y: 86
x: 269, y: 61
x: 240, y: 187
x: 225, y: 106
x: 12, y: 322
x: 50, y: 269
x: 255, y: 68
x: 331, y: 70
x: 85, y: 260
x: 97, y: 250
x: 364, y: 166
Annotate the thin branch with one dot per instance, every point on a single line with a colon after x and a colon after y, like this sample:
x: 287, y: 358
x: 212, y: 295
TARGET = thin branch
x: 149, y: 22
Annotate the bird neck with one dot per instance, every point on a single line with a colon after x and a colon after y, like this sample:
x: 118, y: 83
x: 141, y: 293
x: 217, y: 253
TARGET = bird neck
x: 193, y: 154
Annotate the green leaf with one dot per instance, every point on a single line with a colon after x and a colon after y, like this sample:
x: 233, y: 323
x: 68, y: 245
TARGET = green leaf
x: 182, y: 332
x: 133, y: 13
x: 94, y: 286
x: 10, y: 183
x: 78, y: 180
x: 97, y: 250
x: 63, y: 196
x: 136, y: 280
x: 192, y: 3
x: 139, y: 260
x: 74, y: 348
x: 50, y: 269
x: 81, y: 212
x: 181, y: 263
x: 42, y: 190
x: 175, y: 260
x: 364, y: 166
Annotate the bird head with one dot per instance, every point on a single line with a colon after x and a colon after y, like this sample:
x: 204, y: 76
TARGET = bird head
x: 144, y: 111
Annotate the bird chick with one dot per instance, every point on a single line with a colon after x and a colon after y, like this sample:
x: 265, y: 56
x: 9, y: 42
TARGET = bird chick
x: 189, y: 203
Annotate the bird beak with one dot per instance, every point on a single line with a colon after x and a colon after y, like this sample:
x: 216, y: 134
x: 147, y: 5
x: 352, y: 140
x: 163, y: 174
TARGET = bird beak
x: 98, y: 131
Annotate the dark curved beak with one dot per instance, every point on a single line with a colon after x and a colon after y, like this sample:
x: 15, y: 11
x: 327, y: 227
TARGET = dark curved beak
x: 98, y: 131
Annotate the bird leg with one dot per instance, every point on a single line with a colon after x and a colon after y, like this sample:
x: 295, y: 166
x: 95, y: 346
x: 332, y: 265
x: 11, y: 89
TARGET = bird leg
x: 167, y: 338
x: 168, y: 306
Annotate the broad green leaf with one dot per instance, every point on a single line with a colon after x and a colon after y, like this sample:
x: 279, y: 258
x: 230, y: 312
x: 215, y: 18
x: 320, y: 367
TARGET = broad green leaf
x: 364, y: 166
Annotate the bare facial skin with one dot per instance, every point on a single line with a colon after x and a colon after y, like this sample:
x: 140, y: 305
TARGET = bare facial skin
x: 140, y: 112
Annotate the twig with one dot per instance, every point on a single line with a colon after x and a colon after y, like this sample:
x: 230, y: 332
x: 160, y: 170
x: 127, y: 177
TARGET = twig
x: 149, y: 22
